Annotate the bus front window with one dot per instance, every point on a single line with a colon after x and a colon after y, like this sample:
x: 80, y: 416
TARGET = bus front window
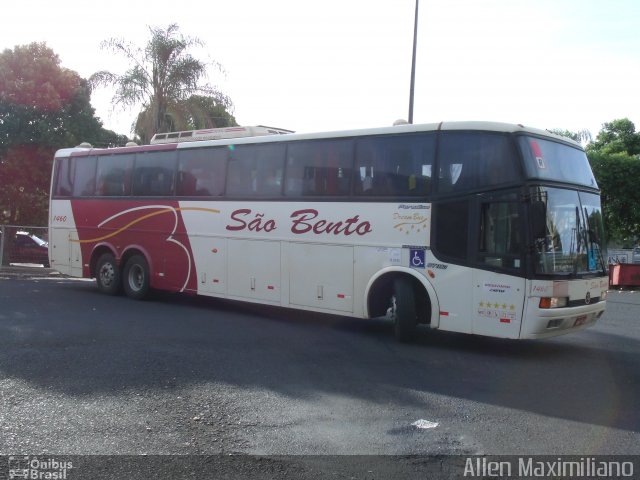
x: 593, y: 231
x: 549, y: 160
x: 571, y: 243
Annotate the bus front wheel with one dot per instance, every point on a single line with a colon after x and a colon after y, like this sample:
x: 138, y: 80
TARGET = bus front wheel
x: 136, y: 277
x: 404, y: 309
x: 108, y: 274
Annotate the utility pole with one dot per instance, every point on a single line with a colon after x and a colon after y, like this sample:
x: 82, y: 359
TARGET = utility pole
x: 413, y: 64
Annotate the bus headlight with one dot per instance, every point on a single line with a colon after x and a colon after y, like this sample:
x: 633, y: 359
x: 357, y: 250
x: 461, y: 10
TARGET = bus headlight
x: 553, y: 302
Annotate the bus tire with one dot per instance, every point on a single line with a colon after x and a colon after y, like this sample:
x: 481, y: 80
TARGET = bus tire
x: 136, y: 277
x: 108, y: 274
x: 405, y: 312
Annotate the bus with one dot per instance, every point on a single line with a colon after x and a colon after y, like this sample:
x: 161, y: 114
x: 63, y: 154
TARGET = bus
x: 476, y: 227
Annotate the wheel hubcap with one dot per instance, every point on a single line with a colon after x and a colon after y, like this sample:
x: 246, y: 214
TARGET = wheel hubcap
x: 136, y: 278
x: 107, y: 274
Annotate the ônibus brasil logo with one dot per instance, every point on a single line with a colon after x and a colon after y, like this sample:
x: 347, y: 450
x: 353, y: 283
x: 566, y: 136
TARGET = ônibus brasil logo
x: 38, y: 468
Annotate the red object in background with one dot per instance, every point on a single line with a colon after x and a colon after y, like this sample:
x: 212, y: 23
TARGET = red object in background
x: 624, y: 275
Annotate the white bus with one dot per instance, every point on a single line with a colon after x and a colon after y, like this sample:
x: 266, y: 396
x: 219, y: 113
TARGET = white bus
x: 476, y: 227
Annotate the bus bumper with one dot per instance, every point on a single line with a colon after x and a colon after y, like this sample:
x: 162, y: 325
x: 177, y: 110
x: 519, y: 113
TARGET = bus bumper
x: 543, y: 323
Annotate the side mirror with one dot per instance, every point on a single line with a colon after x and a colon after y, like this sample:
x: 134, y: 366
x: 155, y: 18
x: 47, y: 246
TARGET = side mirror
x: 538, y: 219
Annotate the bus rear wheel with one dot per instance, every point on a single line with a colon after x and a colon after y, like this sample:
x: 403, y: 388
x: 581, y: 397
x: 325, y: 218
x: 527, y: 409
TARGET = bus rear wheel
x: 108, y: 274
x: 136, y: 277
x: 403, y: 307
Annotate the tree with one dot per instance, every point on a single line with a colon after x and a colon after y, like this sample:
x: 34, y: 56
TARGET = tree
x: 43, y: 107
x: 615, y: 159
x: 582, y: 136
x: 617, y: 175
x: 162, y: 79
x: 195, y: 113
x: 618, y: 136
x: 207, y: 112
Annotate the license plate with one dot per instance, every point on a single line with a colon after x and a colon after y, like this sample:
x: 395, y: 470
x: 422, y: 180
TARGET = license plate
x: 581, y: 320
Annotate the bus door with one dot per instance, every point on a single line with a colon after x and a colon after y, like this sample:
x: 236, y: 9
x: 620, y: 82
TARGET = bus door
x: 498, y: 280
x: 63, y: 239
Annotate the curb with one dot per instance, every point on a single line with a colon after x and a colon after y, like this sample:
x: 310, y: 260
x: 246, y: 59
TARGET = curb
x: 24, y: 271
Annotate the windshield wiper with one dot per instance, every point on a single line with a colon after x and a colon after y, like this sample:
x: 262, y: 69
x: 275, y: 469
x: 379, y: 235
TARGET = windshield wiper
x: 576, y: 234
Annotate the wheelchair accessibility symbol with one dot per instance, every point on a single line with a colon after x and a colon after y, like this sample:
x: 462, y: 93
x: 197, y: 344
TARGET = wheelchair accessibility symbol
x: 417, y: 258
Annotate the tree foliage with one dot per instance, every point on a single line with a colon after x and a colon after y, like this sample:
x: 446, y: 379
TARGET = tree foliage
x: 618, y: 136
x: 208, y: 112
x: 43, y: 107
x: 615, y: 159
x: 582, y: 136
x: 197, y: 112
x: 163, y: 79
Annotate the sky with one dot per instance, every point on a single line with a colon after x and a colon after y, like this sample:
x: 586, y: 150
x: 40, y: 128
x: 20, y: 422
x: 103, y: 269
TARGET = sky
x: 346, y: 64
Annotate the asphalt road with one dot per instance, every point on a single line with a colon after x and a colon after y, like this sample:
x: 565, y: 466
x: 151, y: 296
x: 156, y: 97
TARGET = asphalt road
x: 84, y: 373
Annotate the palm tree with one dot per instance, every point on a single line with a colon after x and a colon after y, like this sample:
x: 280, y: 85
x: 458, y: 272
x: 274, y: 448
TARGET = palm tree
x: 195, y: 112
x: 162, y: 79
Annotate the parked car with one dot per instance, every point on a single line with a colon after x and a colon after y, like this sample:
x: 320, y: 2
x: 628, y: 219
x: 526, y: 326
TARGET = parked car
x: 27, y: 248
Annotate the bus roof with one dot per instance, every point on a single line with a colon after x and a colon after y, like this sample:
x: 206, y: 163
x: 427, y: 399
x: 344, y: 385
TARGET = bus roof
x: 245, y: 136
x: 216, y: 134
x: 407, y: 128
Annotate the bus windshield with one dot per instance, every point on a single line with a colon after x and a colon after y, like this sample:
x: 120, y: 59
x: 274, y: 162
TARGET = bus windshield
x: 549, y: 160
x: 572, y: 241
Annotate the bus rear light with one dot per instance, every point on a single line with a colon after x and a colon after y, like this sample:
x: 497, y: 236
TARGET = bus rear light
x: 553, y: 302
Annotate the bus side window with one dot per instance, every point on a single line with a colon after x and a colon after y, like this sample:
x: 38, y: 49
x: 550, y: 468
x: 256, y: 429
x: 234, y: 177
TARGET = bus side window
x: 64, y: 177
x: 256, y: 170
x: 186, y: 184
x: 113, y: 177
x: 154, y: 174
x: 294, y: 182
x: 319, y: 167
x: 398, y: 165
x: 470, y: 160
x: 84, y: 179
x: 201, y: 172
